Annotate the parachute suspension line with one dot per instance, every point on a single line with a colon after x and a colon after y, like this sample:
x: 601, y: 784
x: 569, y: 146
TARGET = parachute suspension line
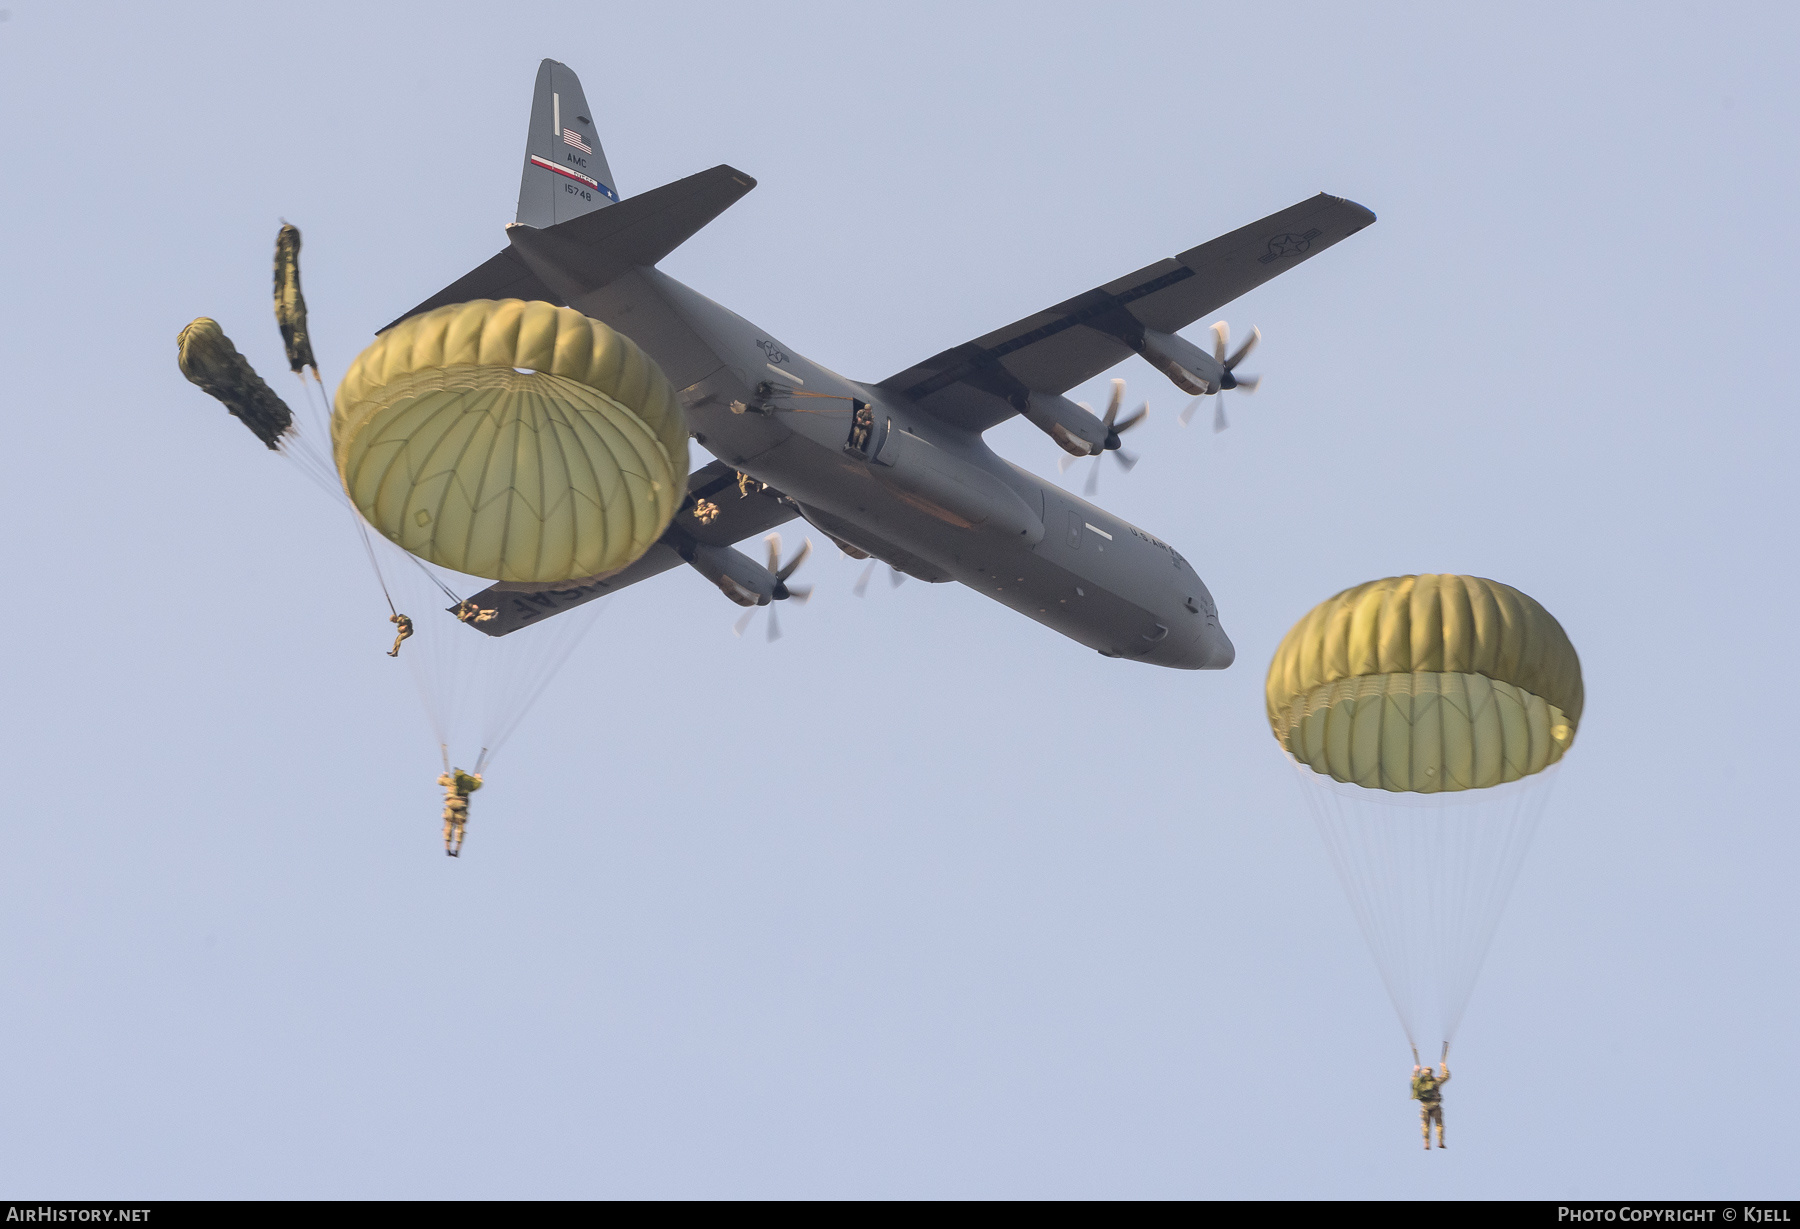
x: 1486, y: 901
x: 476, y: 690
x: 298, y: 445
x: 362, y: 532
x: 1361, y: 866
x: 1427, y: 877
x: 323, y: 424
x: 550, y: 669
x: 428, y: 574
x: 310, y: 458
x: 301, y: 444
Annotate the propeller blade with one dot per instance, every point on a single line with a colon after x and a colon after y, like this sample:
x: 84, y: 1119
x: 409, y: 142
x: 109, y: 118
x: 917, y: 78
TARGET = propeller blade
x: 1249, y: 384
x: 1219, y: 423
x: 1137, y: 416
x: 773, y: 542
x: 1221, y: 339
x: 862, y: 582
x: 1112, y: 406
x: 737, y: 629
x: 796, y: 561
x: 896, y: 577
x: 1249, y: 345
x: 774, y: 626
x: 1064, y: 461
x: 1093, y: 482
x: 800, y: 593
x: 1125, y: 459
x: 1187, y: 415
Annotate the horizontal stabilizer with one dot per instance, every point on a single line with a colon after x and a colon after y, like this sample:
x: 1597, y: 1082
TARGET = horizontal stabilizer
x: 503, y: 276
x: 585, y: 254
x: 560, y: 262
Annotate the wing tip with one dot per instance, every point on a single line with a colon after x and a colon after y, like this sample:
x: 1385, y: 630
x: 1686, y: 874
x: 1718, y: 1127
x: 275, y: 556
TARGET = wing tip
x: 1364, y: 215
x: 747, y: 180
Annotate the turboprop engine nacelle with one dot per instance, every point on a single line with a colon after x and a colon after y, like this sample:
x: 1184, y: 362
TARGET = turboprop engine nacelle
x: 1192, y: 369
x: 738, y: 576
x: 1075, y: 430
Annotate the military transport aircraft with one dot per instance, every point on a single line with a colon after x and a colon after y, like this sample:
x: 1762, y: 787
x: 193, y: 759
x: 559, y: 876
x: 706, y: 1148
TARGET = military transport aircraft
x: 896, y: 470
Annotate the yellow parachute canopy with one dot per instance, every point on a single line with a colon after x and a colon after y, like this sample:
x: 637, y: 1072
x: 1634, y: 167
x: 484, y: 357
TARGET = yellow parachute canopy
x: 290, y: 304
x: 208, y: 358
x: 517, y: 441
x: 1426, y: 684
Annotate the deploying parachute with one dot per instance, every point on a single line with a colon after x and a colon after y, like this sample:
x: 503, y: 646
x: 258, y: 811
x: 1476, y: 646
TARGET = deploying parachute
x: 290, y: 304
x: 1423, y: 713
x: 207, y: 358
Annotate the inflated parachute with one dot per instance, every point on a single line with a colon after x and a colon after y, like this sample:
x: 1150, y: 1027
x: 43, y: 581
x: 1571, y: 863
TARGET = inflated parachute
x: 1426, y: 683
x: 1422, y: 713
x: 511, y: 440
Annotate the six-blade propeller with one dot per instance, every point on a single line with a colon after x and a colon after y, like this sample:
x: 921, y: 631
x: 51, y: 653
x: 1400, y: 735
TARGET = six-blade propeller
x: 783, y: 591
x: 895, y: 578
x: 1115, y: 427
x: 1221, y: 346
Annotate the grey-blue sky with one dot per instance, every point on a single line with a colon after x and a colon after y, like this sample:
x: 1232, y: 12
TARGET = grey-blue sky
x: 923, y: 900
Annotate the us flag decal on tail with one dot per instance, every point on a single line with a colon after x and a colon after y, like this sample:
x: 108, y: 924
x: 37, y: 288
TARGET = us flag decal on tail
x: 571, y: 137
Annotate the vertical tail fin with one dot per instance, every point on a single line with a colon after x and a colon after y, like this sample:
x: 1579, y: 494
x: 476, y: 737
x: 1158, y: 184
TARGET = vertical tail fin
x: 565, y: 169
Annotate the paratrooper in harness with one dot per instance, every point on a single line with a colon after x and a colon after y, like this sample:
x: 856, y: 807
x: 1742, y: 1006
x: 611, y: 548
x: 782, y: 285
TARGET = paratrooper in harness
x: 1428, y: 1091
x: 405, y: 627
x: 458, y: 785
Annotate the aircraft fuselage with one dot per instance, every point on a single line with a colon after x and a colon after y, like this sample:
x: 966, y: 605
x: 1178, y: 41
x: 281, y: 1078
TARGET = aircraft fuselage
x: 934, y: 502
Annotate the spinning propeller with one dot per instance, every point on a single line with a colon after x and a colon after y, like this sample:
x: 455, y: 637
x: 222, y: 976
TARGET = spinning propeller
x: 1221, y: 344
x: 895, y: 577
x: 783, y: 590
x: 1114, y: 429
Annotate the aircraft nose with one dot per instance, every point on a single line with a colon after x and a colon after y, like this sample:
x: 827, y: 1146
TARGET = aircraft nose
x: 1220, y: 652
x: 1208, y: 649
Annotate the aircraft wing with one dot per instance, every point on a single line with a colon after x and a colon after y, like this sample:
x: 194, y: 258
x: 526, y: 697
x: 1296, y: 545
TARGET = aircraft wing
x: 976, y: 385
x: 739, y: 517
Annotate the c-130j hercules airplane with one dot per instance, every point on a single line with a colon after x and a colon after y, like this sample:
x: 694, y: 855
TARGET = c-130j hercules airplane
x: 897, y: 470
